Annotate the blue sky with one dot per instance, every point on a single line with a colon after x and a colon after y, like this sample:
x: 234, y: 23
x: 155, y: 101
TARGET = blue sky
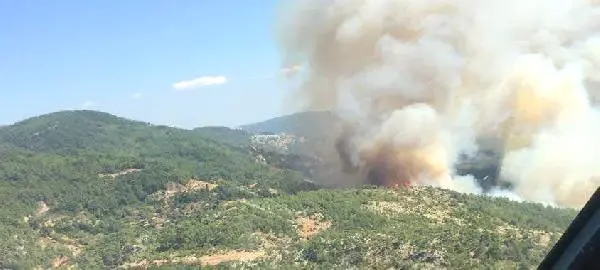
x: 124, y: 57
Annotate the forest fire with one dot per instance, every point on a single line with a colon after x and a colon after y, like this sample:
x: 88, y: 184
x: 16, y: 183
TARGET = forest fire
x: 392, y: 166
x: 387, y: 177
x: 382, y: 170
x: 385, y: 164
x: 421, y: 82
x: 383, y: 178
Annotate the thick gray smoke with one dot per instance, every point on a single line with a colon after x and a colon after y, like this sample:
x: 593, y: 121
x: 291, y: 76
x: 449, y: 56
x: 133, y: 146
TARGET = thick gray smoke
x: 419, y: 82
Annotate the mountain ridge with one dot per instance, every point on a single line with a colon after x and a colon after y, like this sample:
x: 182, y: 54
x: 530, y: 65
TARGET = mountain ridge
x: 301, y: 123
x: 100, y: 191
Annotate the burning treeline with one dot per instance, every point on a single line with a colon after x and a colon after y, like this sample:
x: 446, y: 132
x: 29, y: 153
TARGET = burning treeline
x: 419, y: 83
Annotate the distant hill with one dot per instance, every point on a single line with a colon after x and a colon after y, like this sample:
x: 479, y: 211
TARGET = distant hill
x: 302, y: 124
x: 91, y: 190
x: 70, y: 130
x: 316, y: 132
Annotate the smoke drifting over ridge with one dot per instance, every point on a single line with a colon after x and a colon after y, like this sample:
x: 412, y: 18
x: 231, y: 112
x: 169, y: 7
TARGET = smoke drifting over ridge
x: 418, y: 83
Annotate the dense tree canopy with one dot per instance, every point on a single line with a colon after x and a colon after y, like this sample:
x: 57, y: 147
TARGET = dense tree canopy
x: 94, y: 190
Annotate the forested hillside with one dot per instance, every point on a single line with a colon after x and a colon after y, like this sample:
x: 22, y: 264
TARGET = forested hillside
x: 233, y: 137
x: 100, y: 165
x: 92, y: 190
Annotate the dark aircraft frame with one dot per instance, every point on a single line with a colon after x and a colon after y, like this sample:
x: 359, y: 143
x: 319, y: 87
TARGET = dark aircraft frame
x: 579, y: 246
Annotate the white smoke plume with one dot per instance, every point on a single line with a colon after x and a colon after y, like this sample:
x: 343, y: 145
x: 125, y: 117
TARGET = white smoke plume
x: 419, y: 82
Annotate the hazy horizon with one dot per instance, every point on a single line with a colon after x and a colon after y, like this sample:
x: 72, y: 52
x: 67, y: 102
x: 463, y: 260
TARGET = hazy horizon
x: 153, y: 123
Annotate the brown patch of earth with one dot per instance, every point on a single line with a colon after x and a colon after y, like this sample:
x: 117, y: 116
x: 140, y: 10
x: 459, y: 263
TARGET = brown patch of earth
x: 123, y: 172
x: 212, y: 260
x: 243, y: 256
x: 157, y: 222
x: 194, y: 184
x: 311, y: 226
x: 64, y: 242
x: 544, y: 239
x: 59, y: 261
x: 42, y: 209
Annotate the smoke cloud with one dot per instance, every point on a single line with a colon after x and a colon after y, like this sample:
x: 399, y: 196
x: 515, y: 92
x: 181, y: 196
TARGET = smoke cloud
x: 419, y: 84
